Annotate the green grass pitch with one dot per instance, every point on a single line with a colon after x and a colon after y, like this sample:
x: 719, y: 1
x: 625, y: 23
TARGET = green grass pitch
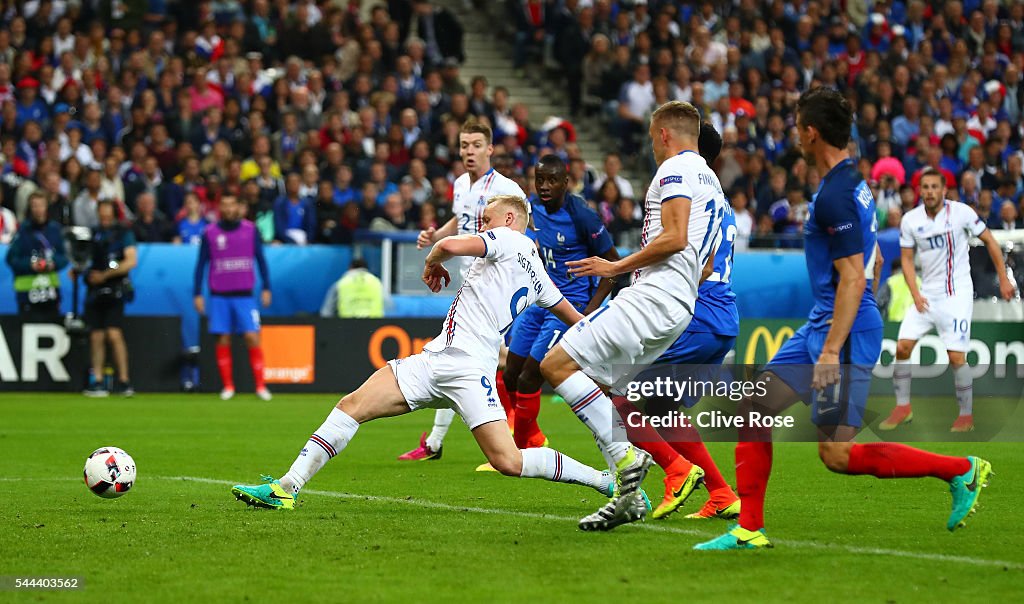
x: 371, y: 528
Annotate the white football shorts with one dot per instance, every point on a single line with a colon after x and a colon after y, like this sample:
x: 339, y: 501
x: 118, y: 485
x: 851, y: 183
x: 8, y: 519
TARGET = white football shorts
x: 615, y: 341
x: 450, y: 379
x: 950, y: 316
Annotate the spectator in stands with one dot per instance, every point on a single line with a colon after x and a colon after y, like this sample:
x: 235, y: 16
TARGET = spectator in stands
x: 531, y: 20
x: 1008, y: 217
x: 635, y: 101
x: 111, y: 186
x: 193, y: 223
x: 625, y: 227
x: 744, y: 219
x: 612, y: 170
x: 114, y: 255
x: 150, y: 226
x: 344, y: 191
x: 358, y: 294
x: 571, y: 46
x: 608, y: 198
x: 83, y: 210
x: 440, y: 31
x: 294, y: 216
x: 327, y: 212
x: 393, y: 216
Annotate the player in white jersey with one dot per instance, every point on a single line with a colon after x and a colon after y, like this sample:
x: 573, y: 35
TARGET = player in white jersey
x: 938, y: 231
x: 455, y: 368
x: 681, y: 233
x: 469, y: 198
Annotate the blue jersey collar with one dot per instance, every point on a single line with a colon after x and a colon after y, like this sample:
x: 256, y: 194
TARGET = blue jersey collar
x: 848, y: 161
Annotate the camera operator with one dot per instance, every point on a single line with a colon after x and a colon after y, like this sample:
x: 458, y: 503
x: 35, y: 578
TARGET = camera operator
x: 113, y: 256
x: 36, y: 256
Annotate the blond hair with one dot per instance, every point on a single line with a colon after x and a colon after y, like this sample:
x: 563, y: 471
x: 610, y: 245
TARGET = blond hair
x: 678, y: 116
x: 514, y: 203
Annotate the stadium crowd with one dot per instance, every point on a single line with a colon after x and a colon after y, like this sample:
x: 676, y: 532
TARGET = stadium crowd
x: 932, y: 84
x: 325, y: 117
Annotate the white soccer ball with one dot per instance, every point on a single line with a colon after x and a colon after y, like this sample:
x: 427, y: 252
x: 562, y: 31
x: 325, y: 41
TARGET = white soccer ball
x: 109, y: 472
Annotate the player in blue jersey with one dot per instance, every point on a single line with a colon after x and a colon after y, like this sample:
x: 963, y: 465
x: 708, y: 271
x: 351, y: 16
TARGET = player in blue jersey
x: 709, y: 337
x: 828, y: 362
x: 566, y: 229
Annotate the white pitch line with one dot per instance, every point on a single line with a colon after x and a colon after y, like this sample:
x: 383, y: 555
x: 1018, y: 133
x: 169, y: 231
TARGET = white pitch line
x: 853, y: 549
x: 873, y: 551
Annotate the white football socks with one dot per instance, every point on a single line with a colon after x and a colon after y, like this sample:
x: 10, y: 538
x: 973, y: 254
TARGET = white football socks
x: 328, y: 440
x: 551, y: 465
x: 964, y: 383
x: 901, y: 381
x: 442, y: 421
x: 595, y: 409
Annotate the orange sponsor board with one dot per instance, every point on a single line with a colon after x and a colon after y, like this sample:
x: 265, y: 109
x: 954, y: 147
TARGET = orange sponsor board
x: 392, y: 336
x: 289, y: 353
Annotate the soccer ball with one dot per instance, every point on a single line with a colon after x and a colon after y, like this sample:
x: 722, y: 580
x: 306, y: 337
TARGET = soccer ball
x: 109, y: 472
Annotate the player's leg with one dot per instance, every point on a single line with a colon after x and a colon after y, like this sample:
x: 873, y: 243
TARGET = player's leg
x: 964, y: 383
x: 965, y: 475
x: 513, y: 367
x: 527, y: 431
x: 593, y: 407
x: 590, y: 404
x: 682, y: 477
x: 540, y: 462
x: 431, y: 445
x: 707, y: 351
x: 754, y: 466
x: 379, y: 396
x: 520, y: 341
x: 785, y: 380
x: 248, y: 323
x: 472, y: 395
x: 912, y: 328
x: 523, y: 338
x: 611, y: 343
x: 901, y: 379
x: 953, y: 322
x: 219, y: 319
x: 506, y: 396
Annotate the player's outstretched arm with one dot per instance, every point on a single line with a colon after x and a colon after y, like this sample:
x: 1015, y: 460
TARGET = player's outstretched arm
x: 565, y: 311
x: 675, y: 219
x: 996, y: 254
